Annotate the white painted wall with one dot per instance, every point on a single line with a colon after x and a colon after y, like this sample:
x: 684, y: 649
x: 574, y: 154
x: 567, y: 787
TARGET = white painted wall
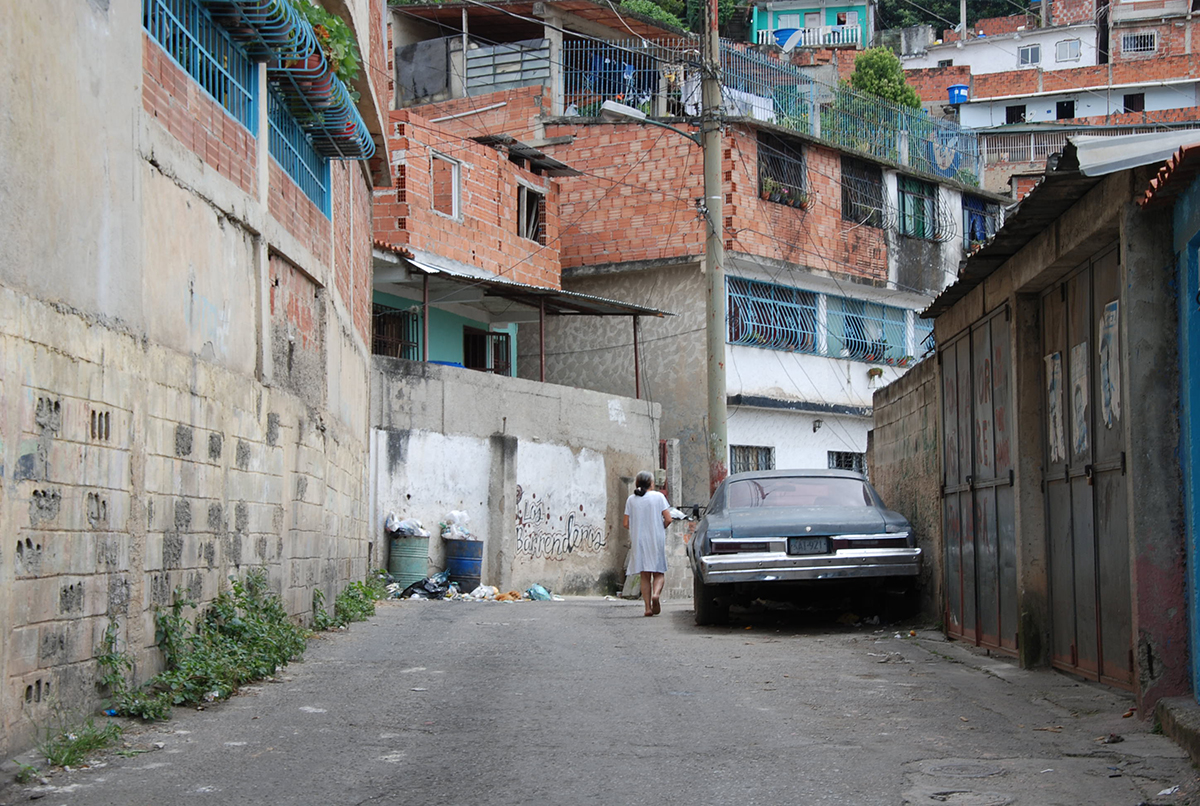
x: 1088, y: 103
x: 792, y: 436
x: 996, y: 54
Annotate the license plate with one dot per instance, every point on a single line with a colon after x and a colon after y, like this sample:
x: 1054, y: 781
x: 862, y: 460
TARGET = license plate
x: 808, y: 545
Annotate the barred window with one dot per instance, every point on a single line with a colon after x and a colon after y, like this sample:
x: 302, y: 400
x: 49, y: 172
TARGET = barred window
x: 781, y: 174
x: 923, y: 333
x: 862, y: 192
x: 847, y: 460
x: 865, y: 331
x: 1139, y: 43
x: 750, y: 457
x: 768, y: 315
x: 918, y: 208
x: 395, y: 333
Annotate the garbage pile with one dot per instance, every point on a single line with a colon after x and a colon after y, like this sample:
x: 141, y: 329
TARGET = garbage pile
x: 439, y: 586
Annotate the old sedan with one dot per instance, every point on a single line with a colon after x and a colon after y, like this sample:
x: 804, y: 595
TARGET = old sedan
x: 769, y: 533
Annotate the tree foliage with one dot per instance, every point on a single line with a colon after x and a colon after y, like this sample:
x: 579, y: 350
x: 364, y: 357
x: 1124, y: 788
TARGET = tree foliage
x: 695, y: 13
x: 655, y: 11
x: 941, y: 14
x: 878, y: 72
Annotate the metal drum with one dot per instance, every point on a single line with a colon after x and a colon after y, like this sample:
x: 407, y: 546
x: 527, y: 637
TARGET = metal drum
x: 464, y: 561
x: 408, y: 559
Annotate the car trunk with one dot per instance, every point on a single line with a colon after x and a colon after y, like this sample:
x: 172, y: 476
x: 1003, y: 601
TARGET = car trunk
x: 760, y: 522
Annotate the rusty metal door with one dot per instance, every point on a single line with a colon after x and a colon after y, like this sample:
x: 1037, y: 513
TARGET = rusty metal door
x: 980, y: 538
x: 1086, y: 518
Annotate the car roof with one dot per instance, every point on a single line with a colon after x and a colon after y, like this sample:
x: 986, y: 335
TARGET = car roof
x: 819, y: 473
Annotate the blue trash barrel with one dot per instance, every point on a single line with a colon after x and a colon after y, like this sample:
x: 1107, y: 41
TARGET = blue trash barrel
x: 464, y: 561
x: 958, y: 93
x: 408, y: 559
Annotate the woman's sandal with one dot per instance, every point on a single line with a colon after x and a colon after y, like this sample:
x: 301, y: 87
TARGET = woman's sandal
x: 655, y: 606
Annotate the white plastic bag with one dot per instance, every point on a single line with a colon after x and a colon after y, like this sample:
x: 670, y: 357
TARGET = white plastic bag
x: 454, y: 527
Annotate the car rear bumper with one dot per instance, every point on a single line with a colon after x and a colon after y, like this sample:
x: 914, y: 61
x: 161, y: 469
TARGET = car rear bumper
x: 777, y: 567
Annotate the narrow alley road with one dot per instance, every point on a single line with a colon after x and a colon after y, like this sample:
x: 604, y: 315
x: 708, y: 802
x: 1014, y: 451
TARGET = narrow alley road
x: 588, y: 702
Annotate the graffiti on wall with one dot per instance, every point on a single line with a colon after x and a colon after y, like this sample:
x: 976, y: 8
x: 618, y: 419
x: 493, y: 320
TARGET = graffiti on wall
x: 543, y: 536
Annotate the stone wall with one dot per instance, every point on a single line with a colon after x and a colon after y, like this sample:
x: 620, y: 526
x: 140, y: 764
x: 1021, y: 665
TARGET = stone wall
x: 906, y: 467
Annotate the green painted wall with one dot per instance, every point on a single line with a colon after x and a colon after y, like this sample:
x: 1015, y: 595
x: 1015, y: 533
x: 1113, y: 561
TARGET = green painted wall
x: 769, y: 20
x: 446, y: 330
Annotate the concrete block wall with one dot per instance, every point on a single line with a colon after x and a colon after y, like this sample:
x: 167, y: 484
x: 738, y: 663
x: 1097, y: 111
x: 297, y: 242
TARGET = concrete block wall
x: 183, y: 358
x: 485, y: 233
x: 906, y: 466
x: 542, y: 470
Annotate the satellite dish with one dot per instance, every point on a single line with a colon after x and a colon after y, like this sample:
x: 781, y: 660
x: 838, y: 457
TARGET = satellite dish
x: 788, y: 38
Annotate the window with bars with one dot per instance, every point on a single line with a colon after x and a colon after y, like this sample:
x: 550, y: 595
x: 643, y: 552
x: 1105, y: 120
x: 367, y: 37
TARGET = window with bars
x: 743, y: 458
x: 531, y: 208
x: 847, y: 460
x: 979, y: 221
x: 781, y: 173
x: 918, y: 208
x: 1139, y: 43
x: 205, y: 52
x: 865, y: 331
x: 862, y: 192
x: 1014, y: 114
x: 291, y: 147
x: 487, y: 351
x: 395, y: 333
x: 769, y: 315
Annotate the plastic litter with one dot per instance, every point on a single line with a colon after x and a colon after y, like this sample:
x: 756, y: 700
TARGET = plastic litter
x: 1171, y: 790
x: 538, y: 594
x: 485, y: 592
x: 455, y: 526
x: 431, y: 587
x: 677, y: 515
x: 409, y: 527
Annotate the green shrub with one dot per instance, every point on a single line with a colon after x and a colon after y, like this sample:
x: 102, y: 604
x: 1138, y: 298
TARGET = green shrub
x: 648, y: 8
x: 67, y: 748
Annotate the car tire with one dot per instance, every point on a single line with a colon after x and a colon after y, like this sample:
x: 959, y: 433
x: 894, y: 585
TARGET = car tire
x: 706, y: 602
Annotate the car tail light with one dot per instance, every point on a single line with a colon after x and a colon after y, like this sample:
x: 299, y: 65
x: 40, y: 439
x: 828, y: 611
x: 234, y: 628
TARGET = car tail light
x: 735, y: 547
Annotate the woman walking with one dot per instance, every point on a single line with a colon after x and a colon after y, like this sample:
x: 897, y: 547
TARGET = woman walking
x: 647, y: 516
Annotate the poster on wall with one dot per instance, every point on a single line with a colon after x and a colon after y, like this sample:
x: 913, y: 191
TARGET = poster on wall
x: 1110, y: 366
x: 1079, y: 397
x: 1054, y: 407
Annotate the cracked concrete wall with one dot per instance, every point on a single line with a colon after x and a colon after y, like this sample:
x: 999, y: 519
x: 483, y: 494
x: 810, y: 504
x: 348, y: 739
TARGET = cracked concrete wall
x: 156, y: 432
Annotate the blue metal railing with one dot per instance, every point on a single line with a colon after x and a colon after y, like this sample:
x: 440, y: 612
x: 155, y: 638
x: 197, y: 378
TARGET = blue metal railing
x: 292, y: 148
x: 206, y: 52
x: 794, y: 320
x: 663, y: 78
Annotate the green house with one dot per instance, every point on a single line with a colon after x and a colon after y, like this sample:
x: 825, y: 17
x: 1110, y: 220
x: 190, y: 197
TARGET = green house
x: 813, y: 24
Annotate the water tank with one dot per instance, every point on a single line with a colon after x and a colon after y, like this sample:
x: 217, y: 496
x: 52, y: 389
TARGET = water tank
x: 958, y: 93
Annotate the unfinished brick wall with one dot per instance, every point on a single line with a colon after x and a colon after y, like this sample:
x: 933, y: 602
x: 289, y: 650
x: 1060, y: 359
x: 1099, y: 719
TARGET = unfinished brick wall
x: 485, y: 231
x: 1066, y: 12
x: 933, y: 83
x: 519, y: 113
x: 638, y: 198
x: 289, y: 205
x: 815, y: 236
x: 352, y: 244
x: 195, y: 119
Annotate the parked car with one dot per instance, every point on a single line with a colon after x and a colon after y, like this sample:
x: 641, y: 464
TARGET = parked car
x: 769, y: 533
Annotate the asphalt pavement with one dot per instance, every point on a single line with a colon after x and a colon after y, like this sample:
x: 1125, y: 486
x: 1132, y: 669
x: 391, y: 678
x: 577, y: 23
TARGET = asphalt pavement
x: 588, y: 702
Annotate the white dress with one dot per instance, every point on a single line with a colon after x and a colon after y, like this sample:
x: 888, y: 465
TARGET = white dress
x: 649, y: 550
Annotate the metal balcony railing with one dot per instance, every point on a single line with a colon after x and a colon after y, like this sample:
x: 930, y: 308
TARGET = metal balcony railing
x: 823, y: 36
x: 662, y: 78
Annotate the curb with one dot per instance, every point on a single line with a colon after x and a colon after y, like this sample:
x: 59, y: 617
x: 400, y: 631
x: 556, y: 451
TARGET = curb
x: 1180, y: 721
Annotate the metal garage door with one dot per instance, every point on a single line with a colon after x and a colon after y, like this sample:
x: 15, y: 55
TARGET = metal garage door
x: 1086, y: 508
x: 980, y: 542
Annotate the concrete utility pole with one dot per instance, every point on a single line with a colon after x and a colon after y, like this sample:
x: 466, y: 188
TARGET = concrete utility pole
x: 714, y: 250
x: 962, y: 16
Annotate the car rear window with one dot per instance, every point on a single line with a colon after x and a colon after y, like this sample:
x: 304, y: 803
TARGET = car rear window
x: 798, y: 492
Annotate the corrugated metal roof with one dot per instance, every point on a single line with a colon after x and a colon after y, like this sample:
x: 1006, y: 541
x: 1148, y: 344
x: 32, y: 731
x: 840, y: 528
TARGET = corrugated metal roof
x: 1078, y: 169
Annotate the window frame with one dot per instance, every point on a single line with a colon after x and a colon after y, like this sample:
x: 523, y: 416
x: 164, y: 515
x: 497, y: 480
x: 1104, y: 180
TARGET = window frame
x: 494, y: 347
x: 1009, y: 116
x: 862, y: 184
x: 531, y: 213
x: 1141, y: 103
x: 1061, y: 106
x: 742, y: 460
x: 782, y: 171
x: 1150, y: 36
x: 406, y: 343
x: 979, y: 217
x: 918, y: 204
x: 455, y: 182
x: 1026, y: 54
x: 768, y: 315
x: 838, y: 460
x: 1078, y: 50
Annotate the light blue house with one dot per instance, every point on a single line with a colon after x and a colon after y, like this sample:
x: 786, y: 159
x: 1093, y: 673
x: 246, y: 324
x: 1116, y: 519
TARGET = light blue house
x: 813, y: 24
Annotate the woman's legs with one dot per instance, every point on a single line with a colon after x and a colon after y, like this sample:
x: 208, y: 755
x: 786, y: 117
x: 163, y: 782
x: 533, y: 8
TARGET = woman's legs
x: 657, y: 582
x: 647, y: 592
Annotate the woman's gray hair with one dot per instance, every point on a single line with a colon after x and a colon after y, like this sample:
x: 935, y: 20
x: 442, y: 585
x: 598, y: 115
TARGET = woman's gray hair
x: 642, y: 482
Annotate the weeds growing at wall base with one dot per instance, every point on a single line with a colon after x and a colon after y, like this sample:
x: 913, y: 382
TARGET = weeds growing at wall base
x: 69, y: 748
x: 244, y: 635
